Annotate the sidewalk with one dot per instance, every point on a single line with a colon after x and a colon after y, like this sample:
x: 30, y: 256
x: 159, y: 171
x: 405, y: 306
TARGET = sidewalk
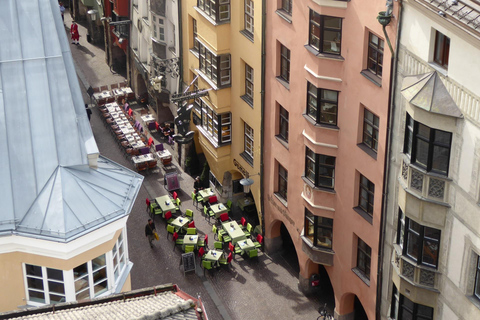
x: 250, y: 289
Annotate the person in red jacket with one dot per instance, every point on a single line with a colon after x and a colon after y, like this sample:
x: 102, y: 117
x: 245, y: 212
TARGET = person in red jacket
x: 74, y: 33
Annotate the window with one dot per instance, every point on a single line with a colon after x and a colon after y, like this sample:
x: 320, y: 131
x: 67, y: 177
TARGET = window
x: 215, y: 67
x: 218, y: 10
x: 249, y: 141
x: 404, y: 309
x: 364, y: 253
x: 428, y: 148
x: 213, y: 123
x: 419, y: 243
x: 282, y: 182
x: 370, y: 130
x: 196, y: 45
x: 248, y: 97
x: 367, y: 190
x: 249, y: 16
x: 284, y: 63
x: 442, y: 49
x: 320, y: 169
x: 375, y: 54
x: 44, y: 285
x: 328, y: 99
x: 158, y: 28
x: 214, y: 182
x: 325, y: 33
x: 287, y: 6
x: 318, y: 230
x: 477, y: 279
x: 283, y: 124
x: 119, y: 256
x: 90, y: 278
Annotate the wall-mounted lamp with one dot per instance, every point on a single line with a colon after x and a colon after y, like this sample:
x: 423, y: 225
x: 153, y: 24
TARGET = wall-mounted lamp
x: 247, y: 182
x: 92, y: 14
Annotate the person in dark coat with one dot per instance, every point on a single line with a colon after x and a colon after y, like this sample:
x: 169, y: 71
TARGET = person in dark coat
x: 149, y: 230
x: 89, y: 112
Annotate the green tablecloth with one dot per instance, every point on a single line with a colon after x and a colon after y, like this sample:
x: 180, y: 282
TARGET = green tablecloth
x: 234, y: 231
x: 190, y: 240
x: 162, y: 202
x: 206, y: 194
x: 180, y: 223
x: 245, y: 202
x: 218, y: 209
x: 246, y: 245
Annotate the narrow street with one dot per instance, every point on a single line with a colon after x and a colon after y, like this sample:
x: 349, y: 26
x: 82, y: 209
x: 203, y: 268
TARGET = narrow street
x: 249, y: 289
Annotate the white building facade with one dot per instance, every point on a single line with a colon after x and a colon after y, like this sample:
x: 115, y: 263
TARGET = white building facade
x: 432, y: 229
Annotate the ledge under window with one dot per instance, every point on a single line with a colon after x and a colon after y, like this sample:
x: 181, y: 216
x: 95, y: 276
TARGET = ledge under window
x: 362, y: 276
x: 368, y: 150
x: 247, y: 158
x: 282, y: 141
x: 317, y: 188
x: 323, y: 55
x: 248, y: 100
x: 283, y: 82
x: 281, y: 199
x: 318, y: 255
x: 320, y: 125
x: 247, y: 34
x: 206, y: 16
x: 376, y: 80
x: 364, y: 215
x: 194, y: 52
x: 284, y: 15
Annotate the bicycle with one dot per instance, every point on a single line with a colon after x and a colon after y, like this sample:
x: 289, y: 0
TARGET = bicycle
x: 324, y: 315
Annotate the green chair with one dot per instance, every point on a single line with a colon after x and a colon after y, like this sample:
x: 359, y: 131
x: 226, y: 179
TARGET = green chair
x: 207, y: 265
x: 208, y: 213
x: 253, y: 253
x: 215, y: 232
x: 179, y: 242
x: 189, y: 248
x: 189, y: 214
x: 153, y: 206
x: 224, y: 238
x: 203, y: 242
x: 229, y: 206
x: 191, y: 230
x: 248, y: 232
x: 179, y: 203
x: 170, y: 230
x: 218, y: 245
x: 157, y: 210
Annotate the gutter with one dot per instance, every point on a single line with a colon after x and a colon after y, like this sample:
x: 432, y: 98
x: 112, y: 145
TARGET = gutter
x: 386, y: 168
x: 262, y: 108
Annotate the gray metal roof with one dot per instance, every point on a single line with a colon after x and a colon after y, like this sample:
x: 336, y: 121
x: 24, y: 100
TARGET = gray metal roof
x: 47, y: 187
x: 428, y: 92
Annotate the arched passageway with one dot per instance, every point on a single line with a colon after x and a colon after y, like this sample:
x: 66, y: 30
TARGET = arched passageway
x: 288, y: 251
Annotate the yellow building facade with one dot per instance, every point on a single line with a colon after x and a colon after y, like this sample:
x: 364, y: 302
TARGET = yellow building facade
x: 222, y: 43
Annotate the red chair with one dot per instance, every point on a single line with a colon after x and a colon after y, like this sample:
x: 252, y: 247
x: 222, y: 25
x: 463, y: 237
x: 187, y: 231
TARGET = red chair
x: 206, y: 240
x: 175, y: 236
x: 231, y: 247
x: 260, y: 238
x: 130, y: 112
x: 168, y: 215
x: 243, y: 221
x: 212, y: 199
x: 150, y: 141
x: 147, y: 201
x: 201, y: 252
x: 175, y: 195
x: 157, y: 126
x: 191, y: 224
x: 229, y: 257
x: 224, y: 217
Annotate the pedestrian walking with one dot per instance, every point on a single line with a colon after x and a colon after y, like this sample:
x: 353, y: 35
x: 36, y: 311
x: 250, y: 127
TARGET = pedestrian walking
x: 62, y: 10
x: 150, y: 232
x: 74, y: 33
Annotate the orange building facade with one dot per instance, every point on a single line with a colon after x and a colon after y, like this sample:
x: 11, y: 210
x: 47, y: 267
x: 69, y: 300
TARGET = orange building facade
x: 327, y: 83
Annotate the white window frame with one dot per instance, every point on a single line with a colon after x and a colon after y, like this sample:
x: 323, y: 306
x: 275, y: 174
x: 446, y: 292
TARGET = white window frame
x: 121, y: 243
x: 45, y: 280
x: 91, y: 283
x: 249, y: 140
x: 249, y: 86
x: 249, y: 13
x: 158, y: 23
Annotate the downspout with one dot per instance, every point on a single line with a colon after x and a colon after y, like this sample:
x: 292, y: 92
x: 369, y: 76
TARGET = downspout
x: 386, y: 168
x: 180, y: 47
x: 262, y: 113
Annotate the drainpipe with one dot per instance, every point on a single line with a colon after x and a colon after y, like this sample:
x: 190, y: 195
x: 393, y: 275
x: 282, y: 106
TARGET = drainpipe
x: 262, y: 113
x: 386, y: 169
x: 180, y: 47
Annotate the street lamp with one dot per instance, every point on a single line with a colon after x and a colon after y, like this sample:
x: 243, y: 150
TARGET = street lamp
x: 92, y: 14
x: 247, y: 182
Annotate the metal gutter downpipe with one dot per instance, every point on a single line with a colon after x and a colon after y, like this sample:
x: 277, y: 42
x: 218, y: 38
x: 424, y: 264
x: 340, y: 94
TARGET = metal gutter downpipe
x: 386, y: 168
x: 262, y: 113
x: 180, y: 46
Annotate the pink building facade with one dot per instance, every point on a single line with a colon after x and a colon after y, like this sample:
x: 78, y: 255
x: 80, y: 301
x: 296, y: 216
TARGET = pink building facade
x: 327, y: 82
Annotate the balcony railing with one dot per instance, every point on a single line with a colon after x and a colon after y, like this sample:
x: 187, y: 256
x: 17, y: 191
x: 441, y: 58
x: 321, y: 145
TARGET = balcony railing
x: 418, y: 275
x: 425, y: 185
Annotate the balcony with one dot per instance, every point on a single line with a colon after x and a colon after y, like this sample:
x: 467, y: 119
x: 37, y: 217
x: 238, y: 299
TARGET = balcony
x: 317, y: 254
x: 424, y: 185
x: 419, y: 276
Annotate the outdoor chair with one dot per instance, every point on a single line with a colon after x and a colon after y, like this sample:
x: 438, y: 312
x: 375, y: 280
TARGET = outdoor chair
x: 175, y: 195
x: 218, y: 245
x: 248, y: 231
x: 201, y: 252
x: 207, y: 265
x: 114, y: 86
x: 147, y: 201
x: 191, y: 224
x: 191, y: 230
x: 179, y: 203
x: 145, y: 150
x: 189, y: 214
x: 103, y: 88
x: 159, y: 147
x: 189, y: 248
x: 204, y: 242
x: 229, y: 206
x: 168, y: 217
x: 152, y: 164
x: 170, y: 230
x: 253, y: 253
x: 208, y: 213
x: 142, y: 167
x: 224, y: 238
x: 224, y: 217
x: 212, y: 200
x: 150, y: 141
x: 178, y: 241
x: 258, y: 243
x: 226, y: 261
x: 243, y: 221
x: 215, y: 232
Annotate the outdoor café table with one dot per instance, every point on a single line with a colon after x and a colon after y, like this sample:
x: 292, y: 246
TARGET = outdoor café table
x: 147, y: 118
x: 244, y: 202
x: 118, y: 93
x: 137, y: 145
x: 133, y: 137
x: 102, y: 95
x: 234, y: 231
x: 142, y: 158
x: 128, y: 92
x: 112, y: 107
x: 126, y: 129
x: 206, y: 194
x: 190, y: 239
x: 180, y: 223
x: 213, y: 255
x: 218, y: 209
x: 164, y: 155
x: 119, y: 121
x: 246, y: 245
x: 162, y: 202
